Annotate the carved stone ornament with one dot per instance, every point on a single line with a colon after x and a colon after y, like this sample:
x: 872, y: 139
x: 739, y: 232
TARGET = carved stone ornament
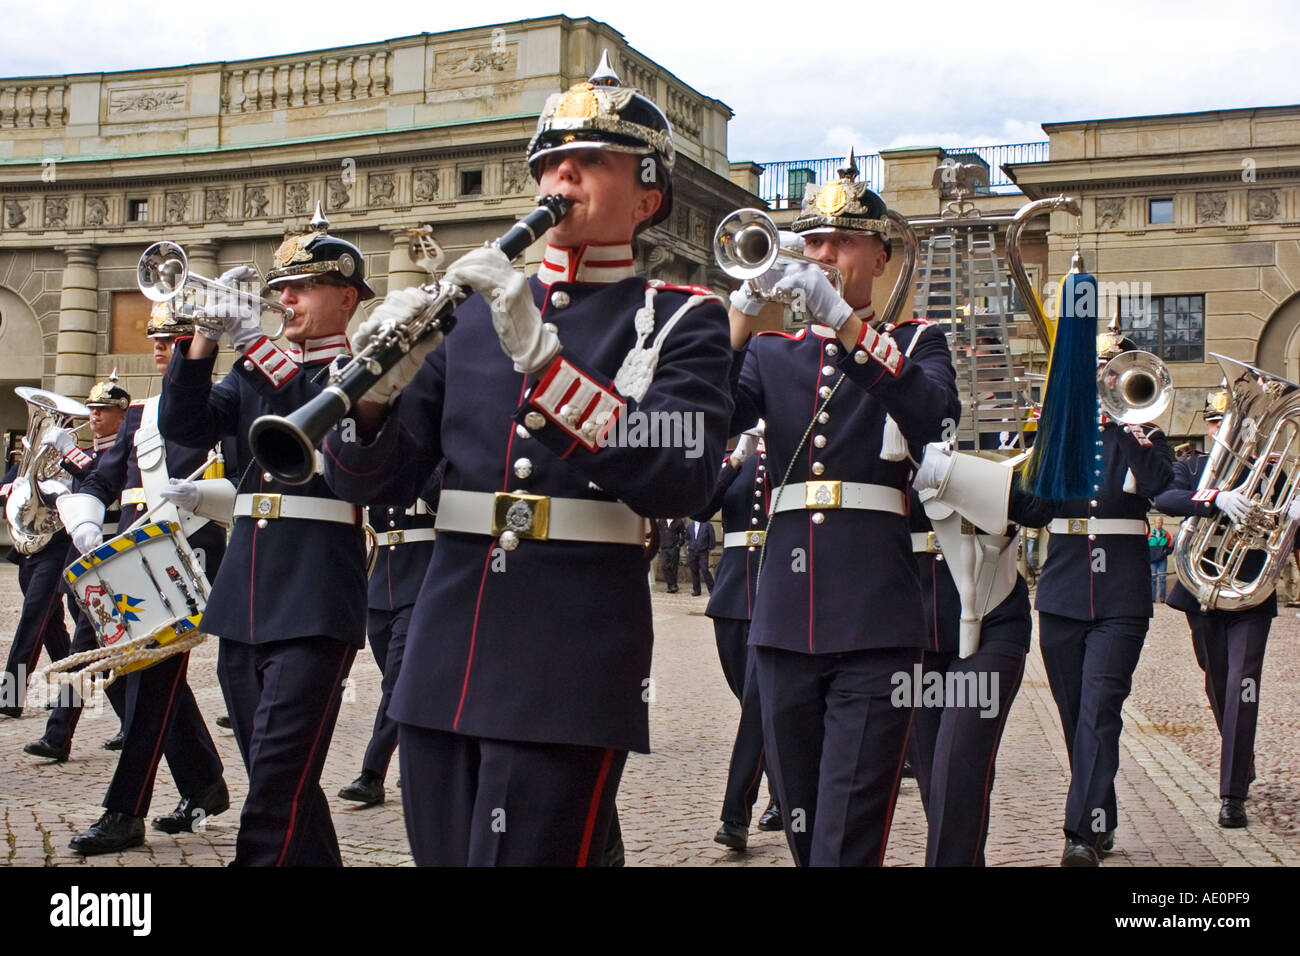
x: 164, y: 100
x: 96, y: 210
x: 338, y: 193
x: 1262, y: 204
x: 255, y: 202
x: 1211, y: 207
x: 296, y: 197
x: 15, y: 214
x: 426, y: 185
x: 178, y: 205
x: 382, y: 189
x: 517, y: 177
x: 218, y: 203
x: 1110, y: 212
x: 56, y: 213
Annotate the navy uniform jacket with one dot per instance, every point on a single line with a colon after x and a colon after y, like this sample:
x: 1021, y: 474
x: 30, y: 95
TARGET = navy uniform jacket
x: 1178, y: 500
x: 742, y: 494
x: 1068, y: 585
x: 293, y: 578
x: 550, y: 642
x: 849, y: 583
x: 400, y: 569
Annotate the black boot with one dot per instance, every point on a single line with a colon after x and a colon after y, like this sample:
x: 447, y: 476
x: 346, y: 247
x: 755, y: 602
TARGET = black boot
x: 208, y: 802
x: 112, y: 832
x: 367, y: 789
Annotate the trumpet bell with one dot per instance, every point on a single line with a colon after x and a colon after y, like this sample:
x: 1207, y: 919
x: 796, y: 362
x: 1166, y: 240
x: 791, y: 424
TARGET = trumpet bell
x: 746, y: 244
x: 1134, y: 388
x: 162, y: 271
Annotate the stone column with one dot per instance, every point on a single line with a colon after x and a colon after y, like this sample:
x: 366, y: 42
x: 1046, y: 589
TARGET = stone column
x: 202, y: 256
x: 402, y: 270
x: 74, y: 366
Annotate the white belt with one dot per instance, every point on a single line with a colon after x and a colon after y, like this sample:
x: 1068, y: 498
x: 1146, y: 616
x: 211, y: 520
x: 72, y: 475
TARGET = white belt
x: 132, y: 496
x: 110, y: 527
x: 392, y: 539
x: 419, y: 508
x: 1098, y: 526
x: 744, y: 539
x: 925, y: 542
x: 272, y: 506
x: 539, y: 518
x: 829, y: 495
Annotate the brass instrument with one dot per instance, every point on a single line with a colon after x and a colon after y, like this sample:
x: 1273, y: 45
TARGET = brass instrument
x: 747, y: 244
x: 1256, y: 452
x: 33, y: 520
x: 163, y: 273
x: 1134, y: 387
x: 1016, y: 262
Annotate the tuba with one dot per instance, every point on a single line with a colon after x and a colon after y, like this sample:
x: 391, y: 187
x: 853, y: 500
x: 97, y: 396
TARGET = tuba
x: 33, y: 519
x: 1256, y: 452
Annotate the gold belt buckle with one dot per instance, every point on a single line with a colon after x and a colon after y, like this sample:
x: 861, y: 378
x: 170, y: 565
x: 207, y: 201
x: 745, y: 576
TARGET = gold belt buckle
x: 756, y: 539
x: 1076, y: 526
x: 133, y: 496
x: 932, y: 543
x: 527, y: 516
x: 821, y: 494
x: 266, y: 505
x: 396, y: 538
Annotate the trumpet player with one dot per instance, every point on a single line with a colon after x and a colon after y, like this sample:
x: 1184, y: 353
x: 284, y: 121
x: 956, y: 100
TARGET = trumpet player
x: 1229, y: 645
x: 526, y: 677
x: 288, y: 602
x: 849, y: 403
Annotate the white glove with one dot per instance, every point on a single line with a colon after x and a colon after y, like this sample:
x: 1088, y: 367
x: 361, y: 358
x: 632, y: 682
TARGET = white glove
x: 398, y: 308
x: 237, y: 309
x: 87, y: 537
x: 182, y: 493
x: 813, y: 294
x: 754, y: 293
x: 1233, y: 504
x: 83, y: 516
x: 934, y: 467
x: 60, y: 439
x: 515, y: 316
x: 744, y: 448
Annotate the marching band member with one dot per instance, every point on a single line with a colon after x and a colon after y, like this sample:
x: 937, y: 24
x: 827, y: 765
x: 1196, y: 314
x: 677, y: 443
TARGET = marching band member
x: 1229, y: 645
x: 108, y: 403
x: 838, y: 610
x: 742, y: 492
x: 161, y: 715
x: 289, y: 600
x: 527, y: 670
x: 1093, y: 616
x: 405, y: 543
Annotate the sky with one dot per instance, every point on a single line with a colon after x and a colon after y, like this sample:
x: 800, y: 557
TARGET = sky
x: 804, y: 81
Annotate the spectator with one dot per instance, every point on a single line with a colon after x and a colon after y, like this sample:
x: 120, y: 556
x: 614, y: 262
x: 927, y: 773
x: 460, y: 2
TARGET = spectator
x: 1159, y: 547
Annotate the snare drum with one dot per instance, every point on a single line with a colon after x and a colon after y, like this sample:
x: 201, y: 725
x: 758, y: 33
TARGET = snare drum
x: 144, y: 583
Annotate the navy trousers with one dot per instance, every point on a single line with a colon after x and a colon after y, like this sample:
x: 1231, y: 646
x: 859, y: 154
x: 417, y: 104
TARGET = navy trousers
x: 479, y: 802
x: 1090, y: 668
x: 283, y: 698
x: 834, y: 749
x: 1229, y: 646
x: 698, y: 562
x: 387, y: 633
x: 40, y: 623
x: 745, y: 771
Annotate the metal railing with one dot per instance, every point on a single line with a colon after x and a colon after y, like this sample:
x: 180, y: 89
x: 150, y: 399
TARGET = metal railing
x: 782, y: 183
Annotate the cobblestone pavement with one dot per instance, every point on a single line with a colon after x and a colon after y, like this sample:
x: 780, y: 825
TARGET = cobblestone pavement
x: 669, y: 800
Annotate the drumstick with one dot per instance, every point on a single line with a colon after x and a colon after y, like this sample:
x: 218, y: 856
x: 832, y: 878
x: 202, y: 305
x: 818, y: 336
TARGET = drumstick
x: 144, y: 518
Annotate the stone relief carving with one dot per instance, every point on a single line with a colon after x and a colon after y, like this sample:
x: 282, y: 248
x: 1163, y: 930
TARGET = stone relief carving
x: 1110, y: 212
x: 178, y: 206
x: 382, y: 189
x: 255, y: 202
x: 1262, y: 204
x: 15, y: 214
x: 56, y: 213
x: 1211, y: 207
x: 490, y: 59
x: 218, y: 203
x: 162, y: 100
x: 296, y: 197
x: 338, y: 193
x: 517, y: 178
x: 426, y: 185
x: 96, y: 210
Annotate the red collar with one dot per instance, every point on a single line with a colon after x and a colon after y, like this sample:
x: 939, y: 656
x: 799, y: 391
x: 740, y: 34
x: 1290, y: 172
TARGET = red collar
x: 99, y: 443
x: 318, y: 350
x: 595, y: 264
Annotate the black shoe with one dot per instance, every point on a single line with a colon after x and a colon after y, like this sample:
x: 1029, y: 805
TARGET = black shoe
x: 367, y: 789
x: 208, y: 802
x: 224, y: 722
x: 116, y: 741
x: 11, y: 711
x: 672, y: 590
x: 1232, y: 815
x: 1106, y: 844
x: 43, y: 748
x: 907, y: 769
x: 770, y: 821
x: 730, y: 835
x: 695, y: 594
x: 112, y: 832
x: 1078, y: 853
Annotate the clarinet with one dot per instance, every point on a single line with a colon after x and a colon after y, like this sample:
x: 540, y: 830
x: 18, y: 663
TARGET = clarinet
x: 285, y: 446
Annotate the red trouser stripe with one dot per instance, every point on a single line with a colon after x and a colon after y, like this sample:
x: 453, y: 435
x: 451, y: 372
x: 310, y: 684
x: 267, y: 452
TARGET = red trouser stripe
x: 594, y: 808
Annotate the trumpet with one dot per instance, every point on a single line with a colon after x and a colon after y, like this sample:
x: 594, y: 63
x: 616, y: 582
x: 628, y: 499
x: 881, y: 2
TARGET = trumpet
x: 163, y: 273
x: 747, y: 244
x: 285, y: 446
x: 1134, y: 387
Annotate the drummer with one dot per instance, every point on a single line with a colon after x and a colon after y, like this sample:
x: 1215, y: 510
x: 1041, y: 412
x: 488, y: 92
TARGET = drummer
x: 161, y: 714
